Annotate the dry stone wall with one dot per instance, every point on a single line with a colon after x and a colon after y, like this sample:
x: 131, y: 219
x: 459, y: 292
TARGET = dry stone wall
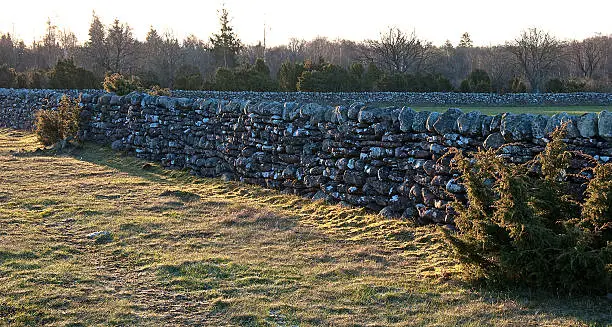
x: 390, y: 160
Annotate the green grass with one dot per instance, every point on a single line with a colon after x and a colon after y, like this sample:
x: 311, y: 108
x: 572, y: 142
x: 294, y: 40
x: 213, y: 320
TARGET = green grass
x: 184, y: 250
x: 546, y: 110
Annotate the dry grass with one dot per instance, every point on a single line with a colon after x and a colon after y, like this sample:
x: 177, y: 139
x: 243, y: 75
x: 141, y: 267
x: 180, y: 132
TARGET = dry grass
x: 191, y: 251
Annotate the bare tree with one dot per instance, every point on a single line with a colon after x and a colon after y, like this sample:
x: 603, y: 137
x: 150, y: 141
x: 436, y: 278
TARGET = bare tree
x: 50, y: 48
x: 196, y: 53
x: 398, y: 52
x: 589, y: 54
x: 69, y: 43
x: 95, y: 48
x: 296, y: 49
x: 501, y: 66
x: 537, y: 52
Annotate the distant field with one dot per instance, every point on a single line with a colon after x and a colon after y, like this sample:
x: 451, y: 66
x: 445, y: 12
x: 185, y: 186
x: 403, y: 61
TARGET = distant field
x: 573, y: 110
x: 186, y: 251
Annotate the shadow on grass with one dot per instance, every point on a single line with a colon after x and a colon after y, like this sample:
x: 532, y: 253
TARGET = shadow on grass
x: 593, y: 311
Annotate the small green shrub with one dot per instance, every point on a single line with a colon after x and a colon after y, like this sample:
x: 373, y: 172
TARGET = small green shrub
x: 121, y: 85
x: 53, y: 126
x: 477, y: 82
x: 523, y: 226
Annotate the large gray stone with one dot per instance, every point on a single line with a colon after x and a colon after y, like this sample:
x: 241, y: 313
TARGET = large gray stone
x: 587, y: 125
x: 340, y: 115
x: 494, y: 141
x: 354, y: 109
x: 431, y: 120
x: 516, y: 127
x: 486, y: 125
x: 266, y: 108
x: 538, y: 126
x: 166, y: 102
x: 353, y: 177
x: 496, y: 123
x: 604, y: 125
x: 419, y: 123
x: 406, y: 119
x: 117, y: 145
x: 312, y: 110
x: 447, y: 122
x: 470, y: 123
x: 558, y: 120
x: 375, y: 115
x: 291, y: 111
x: 115, y: 100
x: 453, y: 186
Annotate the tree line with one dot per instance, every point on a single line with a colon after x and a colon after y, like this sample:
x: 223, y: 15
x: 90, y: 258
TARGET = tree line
x: 535, y: 61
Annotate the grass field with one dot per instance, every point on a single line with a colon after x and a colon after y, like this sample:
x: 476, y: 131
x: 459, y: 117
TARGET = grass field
x: 574, y: 110
x: 182, y: 250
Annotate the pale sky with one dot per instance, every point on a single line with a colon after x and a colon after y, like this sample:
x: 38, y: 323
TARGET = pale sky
x: 488, y: 22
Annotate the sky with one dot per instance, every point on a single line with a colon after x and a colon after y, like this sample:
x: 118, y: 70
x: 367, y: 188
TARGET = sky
x: 488, y: 22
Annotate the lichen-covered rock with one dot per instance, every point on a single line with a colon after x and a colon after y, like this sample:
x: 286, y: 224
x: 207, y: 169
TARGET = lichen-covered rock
x: 516, y: 127
x: 454, y: 187
x: 494, y: 141
x: 587, y: 125
x: 391, y: 211
x: 340, y: 115
x: 496, y: 123
x: 431, y: 120
x: 419, y: 124
x: 486, y: 125
x: 558, y: 120
x: 470, y: 123
x: 406, y: 119
x: 447, y: 122
x: 354, y: 109
x: 375, y: 115
x: 266, y: 108
x: 311, y: 110
x: 538, y: 126
x: 604, y: 125
x: 117, y: 145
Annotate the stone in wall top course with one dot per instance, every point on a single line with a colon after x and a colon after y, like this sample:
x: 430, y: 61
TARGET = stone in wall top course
x: 538, y: 126
x: 587, y: 125
x: 470, y: 123
x: 512, y: 127
x: 447, y: 121
x: 516, y: 128
x: 604, y: 125
x: 557, y: 120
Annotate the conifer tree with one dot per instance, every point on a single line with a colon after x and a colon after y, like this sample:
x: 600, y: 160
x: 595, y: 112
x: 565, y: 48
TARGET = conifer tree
x: 226, y: 43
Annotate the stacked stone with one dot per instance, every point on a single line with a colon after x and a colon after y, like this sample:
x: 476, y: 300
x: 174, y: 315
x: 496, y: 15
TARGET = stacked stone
x: 392, y: 160
x: 19, y: 106
x: 414, y: 98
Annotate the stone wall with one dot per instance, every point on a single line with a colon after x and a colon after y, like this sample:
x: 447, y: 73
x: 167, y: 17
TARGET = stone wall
x: 414, y: 99
x: 386, y: 159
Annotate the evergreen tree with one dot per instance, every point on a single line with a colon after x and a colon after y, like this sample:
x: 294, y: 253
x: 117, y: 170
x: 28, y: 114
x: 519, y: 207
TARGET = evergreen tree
x: 288, y: 75
x: 478, y: 82
x: 66, y: 75
x: 226, y: 43
x: 466, y: 41
x: 8, y: 77
x: 96, y: 46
